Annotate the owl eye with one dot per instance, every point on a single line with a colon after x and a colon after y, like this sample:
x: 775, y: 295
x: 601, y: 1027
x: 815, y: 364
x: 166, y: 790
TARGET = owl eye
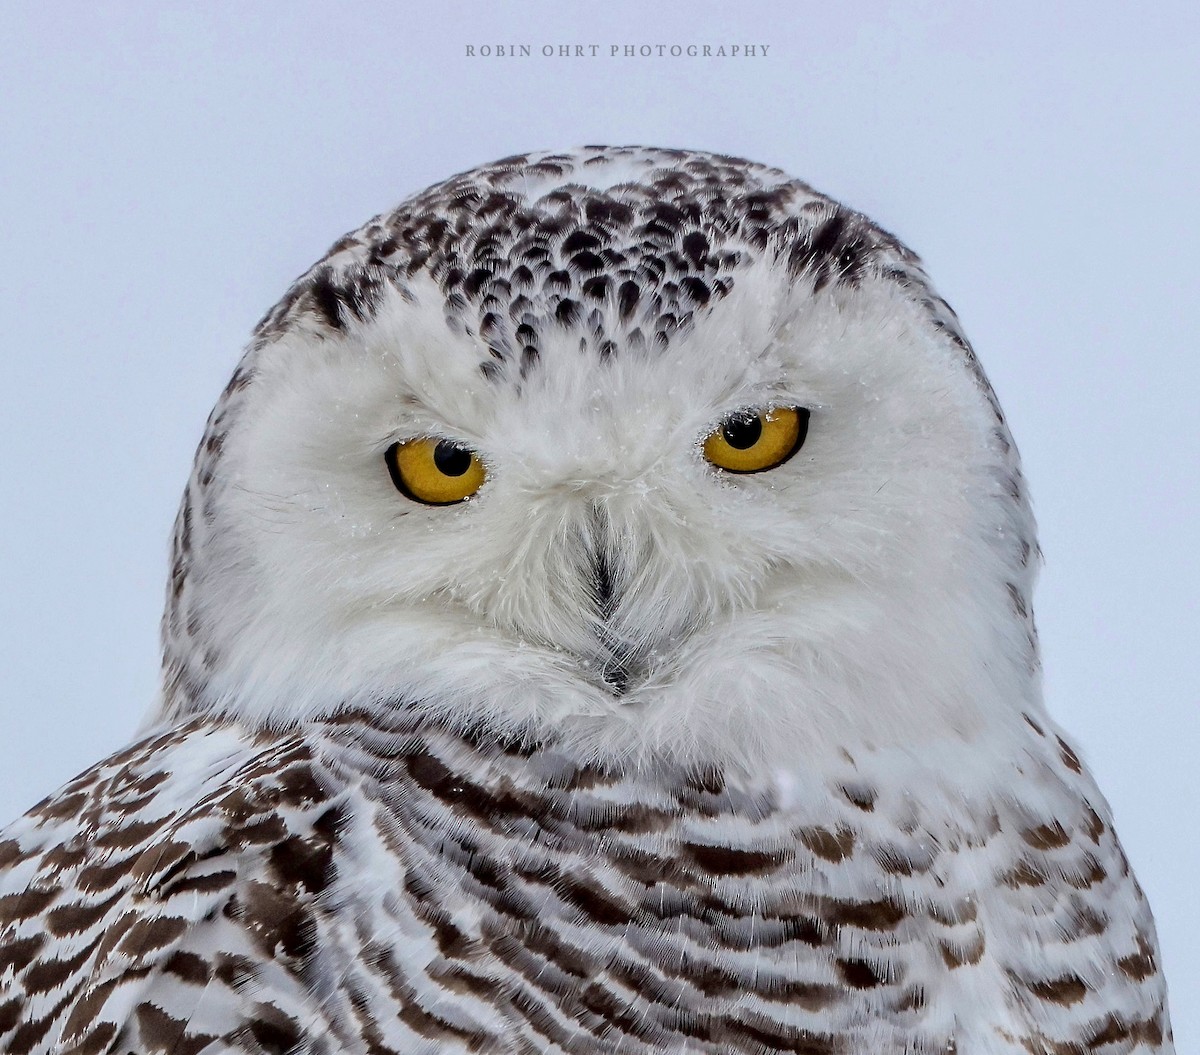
x: 436, y: 472
x: 752, y: 441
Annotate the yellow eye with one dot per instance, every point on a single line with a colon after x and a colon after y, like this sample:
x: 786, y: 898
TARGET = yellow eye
x: 436, y: 472
x: 752, y: 441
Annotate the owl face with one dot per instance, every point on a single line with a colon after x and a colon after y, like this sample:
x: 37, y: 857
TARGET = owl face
x: 784, y: 514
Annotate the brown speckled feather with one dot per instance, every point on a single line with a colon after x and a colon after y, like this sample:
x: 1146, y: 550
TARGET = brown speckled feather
x: 353, y: 888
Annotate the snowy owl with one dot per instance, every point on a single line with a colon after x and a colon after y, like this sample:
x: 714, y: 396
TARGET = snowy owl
x: 599, y: 622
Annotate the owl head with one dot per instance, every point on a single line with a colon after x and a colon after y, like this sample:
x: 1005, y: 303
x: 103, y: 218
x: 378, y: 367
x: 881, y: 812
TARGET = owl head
x: 657, y: 451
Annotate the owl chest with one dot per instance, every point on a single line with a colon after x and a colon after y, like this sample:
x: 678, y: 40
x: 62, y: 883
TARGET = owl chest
x: 707, y: 932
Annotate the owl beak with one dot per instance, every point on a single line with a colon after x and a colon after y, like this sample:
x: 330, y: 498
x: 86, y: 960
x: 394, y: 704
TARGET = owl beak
x: 603, y: 583
x: 618, y: 661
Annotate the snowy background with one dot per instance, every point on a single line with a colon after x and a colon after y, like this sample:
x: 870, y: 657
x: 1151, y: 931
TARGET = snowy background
x: 167, y: 169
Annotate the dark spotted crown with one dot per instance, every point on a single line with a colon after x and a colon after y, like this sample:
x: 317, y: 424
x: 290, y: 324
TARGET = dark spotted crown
x: 537, y: 241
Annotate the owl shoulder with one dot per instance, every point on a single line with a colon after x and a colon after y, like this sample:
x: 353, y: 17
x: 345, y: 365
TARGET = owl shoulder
x: 174, y: 868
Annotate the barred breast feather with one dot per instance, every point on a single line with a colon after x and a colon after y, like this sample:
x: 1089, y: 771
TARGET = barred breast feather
x: 358, y: 885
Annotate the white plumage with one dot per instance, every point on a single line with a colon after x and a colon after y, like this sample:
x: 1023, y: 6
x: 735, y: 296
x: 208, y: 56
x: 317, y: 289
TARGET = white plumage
x: 625, y: 751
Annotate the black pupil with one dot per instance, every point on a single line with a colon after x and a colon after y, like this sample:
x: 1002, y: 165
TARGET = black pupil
x: 451, y: 459
x: 742, y: 432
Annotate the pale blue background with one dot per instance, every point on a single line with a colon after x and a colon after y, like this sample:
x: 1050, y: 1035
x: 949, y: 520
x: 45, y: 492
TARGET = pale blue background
x: 166, y: 169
